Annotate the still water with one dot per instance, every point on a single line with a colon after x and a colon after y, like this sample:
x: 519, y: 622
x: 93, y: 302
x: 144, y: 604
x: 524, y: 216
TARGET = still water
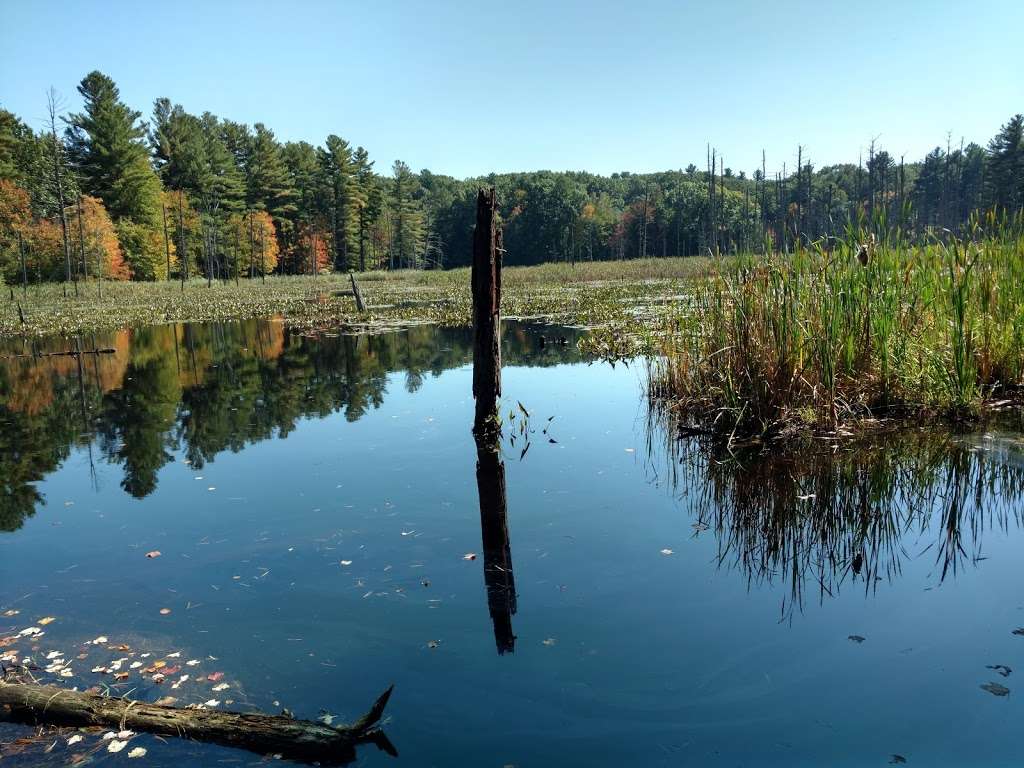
x: 315, y: 508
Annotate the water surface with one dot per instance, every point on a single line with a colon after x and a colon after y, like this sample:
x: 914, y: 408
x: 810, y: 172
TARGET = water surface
x: 315, y: 503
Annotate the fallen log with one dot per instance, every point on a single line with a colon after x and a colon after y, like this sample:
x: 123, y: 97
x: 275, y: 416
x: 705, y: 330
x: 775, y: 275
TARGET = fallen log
x: 302, y: 740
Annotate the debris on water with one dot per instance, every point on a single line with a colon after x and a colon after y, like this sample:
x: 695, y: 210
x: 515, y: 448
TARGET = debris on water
x: 137, y: 752
x: 154, y: 554
x: 897, y: 759
x: 856, y: 639
x: 667, y: 551
x: 433, y: 644
x: 165, y: 611
x: 549, y: 641
x: 469, y: 556
x: 995, y: 689
x: 1019, y: 631
x: 1002, y: 669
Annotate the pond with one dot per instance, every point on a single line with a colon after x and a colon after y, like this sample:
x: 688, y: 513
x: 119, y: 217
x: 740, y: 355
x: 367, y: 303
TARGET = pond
x: 296, y: 523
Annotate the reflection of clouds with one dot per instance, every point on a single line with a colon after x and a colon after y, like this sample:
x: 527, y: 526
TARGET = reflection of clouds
x: 818, y: 519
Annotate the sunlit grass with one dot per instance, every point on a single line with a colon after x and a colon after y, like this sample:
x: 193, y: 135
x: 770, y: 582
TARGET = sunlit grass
x: 827, y: 337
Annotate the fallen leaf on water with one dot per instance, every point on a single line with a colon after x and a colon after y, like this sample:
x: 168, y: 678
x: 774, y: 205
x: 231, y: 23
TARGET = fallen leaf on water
x: 346, y: 562
x: 213, y: 677
x: 164, y: 611
x: 631, y: 450
x: 175, y: 655
x: 125, y: 735
x: 192, y: 663
x: 100, y: 640
x: 30, y: 632
x: 166, y: 701
x: 153, y: 554
x: 469, y: 556
x: 996, y: 689
x: 138, y: 752
x: 109, y: 736
x: 211, y: 703
x: 667, y: 551
x: 221, y: 687
x: 897, y: 760
x: 433, y: 643
x: 550, y: 641
x: 856, y: 639
x: 47, y: 620
x: 74, y: 740
x: 116, y: 746
x: 11, y: 612
x: 1002, y: 669
x: 122, y: 676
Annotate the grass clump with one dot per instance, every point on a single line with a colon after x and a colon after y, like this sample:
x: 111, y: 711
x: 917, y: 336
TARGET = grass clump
x: 829, y: 336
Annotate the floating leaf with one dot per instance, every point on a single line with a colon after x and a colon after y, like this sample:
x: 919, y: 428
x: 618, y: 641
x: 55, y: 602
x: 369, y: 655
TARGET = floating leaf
x: 549, y: 641
x: 469, y: 556
x: 1002, y: 669
x: 856, y: 639
x: 116, y: 745
x: 74, y: 740
x: 213, y: 677
x: 47, y: 620
x: 996, y: 689
x: 154, y: 554
x: 137, y: 752
x: 165, y: 611
x: 667, y: 551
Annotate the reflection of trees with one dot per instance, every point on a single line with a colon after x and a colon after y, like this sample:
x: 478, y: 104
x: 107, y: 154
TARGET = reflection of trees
x: 206, y: 389
x: 815, y: 520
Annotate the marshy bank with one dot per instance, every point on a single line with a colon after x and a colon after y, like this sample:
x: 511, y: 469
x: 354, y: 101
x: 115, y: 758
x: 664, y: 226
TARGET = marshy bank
x: 837, y: 336
x: 585, y: 293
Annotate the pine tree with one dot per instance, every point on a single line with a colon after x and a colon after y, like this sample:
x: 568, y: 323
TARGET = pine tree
x: 339, y: 169
x: 408, y: 221
x: 366, y: 201
x: 1006, y: 165
x: 107, y: 148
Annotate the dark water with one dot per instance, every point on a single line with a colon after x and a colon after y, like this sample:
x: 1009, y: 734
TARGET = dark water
x: 644, y: 602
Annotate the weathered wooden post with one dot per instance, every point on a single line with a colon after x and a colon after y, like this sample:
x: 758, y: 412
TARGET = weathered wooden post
x: 360, y: 304
x: 486, y: 285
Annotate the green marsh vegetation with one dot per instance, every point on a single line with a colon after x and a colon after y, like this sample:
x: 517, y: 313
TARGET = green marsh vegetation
x: 850, y: 332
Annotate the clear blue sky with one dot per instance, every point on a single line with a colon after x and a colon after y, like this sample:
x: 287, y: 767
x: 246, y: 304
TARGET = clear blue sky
x: 466, y: 88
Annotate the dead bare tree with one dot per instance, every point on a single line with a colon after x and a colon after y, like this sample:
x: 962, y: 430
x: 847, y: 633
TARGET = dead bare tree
x: 57, y: 152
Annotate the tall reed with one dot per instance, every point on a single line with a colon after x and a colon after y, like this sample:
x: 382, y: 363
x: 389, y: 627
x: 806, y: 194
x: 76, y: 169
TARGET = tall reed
x: 849, y: 329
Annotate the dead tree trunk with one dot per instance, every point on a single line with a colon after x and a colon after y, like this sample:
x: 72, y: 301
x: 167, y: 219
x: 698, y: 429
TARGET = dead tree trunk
x: 486, y: 284
x: 360, y: 304
x: 265, y: 734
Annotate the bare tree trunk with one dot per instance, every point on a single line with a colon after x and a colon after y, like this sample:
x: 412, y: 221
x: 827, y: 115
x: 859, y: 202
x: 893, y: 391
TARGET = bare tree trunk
x: 485, y: 279
x: 52, y: 105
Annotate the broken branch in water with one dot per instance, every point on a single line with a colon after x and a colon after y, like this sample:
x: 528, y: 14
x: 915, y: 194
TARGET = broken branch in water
x: 303, y: 740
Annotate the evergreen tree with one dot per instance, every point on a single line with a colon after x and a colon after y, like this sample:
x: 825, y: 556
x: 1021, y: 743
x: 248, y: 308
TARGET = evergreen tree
x: 1006, y: 165
x: 408, y: 222
x: 339, y: 169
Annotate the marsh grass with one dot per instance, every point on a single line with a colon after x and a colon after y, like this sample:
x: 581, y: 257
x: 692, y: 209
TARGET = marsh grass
x: 587, y: 293
x: 828, y: 337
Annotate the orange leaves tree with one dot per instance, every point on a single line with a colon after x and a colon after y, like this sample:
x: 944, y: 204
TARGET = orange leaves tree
x: 103, y: 256
x: 15, y: 227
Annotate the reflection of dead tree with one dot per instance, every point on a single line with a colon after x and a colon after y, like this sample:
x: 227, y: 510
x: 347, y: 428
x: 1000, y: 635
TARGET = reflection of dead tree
x: 490, y: 470
x: 498, y: 575
x: 265, y: 734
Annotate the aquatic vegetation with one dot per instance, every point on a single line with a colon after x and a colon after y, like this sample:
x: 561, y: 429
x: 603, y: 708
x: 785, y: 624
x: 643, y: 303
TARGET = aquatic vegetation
x: 590, y: 294
x: 846, y: 332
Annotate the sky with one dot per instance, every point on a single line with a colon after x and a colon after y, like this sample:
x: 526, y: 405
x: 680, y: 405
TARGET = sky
x: 467, y: 88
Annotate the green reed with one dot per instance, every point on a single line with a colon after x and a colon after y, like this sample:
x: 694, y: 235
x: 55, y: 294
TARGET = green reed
x: 860, y: 327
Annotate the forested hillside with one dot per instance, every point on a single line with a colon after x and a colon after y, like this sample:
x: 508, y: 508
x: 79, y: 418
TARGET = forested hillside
x: 104, y: 192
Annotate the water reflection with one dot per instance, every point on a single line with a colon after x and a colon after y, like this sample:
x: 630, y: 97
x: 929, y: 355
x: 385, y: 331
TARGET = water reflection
x: 202, y: 389
x: 822, y: 518
x: 498, y: 575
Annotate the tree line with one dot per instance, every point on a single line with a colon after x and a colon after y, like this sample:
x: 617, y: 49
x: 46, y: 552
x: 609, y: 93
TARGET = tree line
x: 103, y: 193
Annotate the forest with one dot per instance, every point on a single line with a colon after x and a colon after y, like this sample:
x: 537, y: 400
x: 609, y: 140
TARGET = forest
x: 105, y: 193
